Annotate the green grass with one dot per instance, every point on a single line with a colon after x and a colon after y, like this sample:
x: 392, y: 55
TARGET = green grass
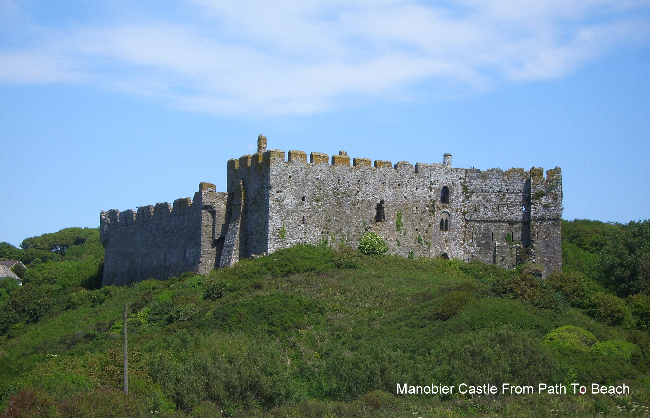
x: 292, y: 334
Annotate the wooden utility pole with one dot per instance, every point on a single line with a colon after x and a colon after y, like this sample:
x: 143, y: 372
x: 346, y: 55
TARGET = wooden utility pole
x: 126, y: 366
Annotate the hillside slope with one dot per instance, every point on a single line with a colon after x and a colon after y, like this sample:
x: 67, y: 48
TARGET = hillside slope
x: 318, y: 332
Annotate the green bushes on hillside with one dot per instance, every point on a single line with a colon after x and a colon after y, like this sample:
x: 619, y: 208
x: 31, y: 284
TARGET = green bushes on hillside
x: 317, y: 331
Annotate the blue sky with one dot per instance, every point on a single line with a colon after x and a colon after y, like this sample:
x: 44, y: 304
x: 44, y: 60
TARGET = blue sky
x: 122, y: 104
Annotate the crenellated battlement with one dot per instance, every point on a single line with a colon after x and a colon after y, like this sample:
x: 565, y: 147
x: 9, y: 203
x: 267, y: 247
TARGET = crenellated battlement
x: 274, y: 156
x: 113, y: 218
x: 276, y: 199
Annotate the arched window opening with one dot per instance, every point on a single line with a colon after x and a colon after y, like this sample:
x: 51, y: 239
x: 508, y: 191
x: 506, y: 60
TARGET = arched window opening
x: 444, y: 224
x: 444, y: 195
x: 380, y: 215
x: 445, y: 256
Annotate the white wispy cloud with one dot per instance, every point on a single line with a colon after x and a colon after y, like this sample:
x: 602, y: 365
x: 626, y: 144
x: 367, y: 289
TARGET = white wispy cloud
x: 256, y: 56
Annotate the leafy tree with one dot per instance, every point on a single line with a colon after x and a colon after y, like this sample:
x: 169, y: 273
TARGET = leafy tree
x: 9, y: 252
x: 625, y: 259
x: 59, y: 242
x: 589, y: 236
x: 582, y: 242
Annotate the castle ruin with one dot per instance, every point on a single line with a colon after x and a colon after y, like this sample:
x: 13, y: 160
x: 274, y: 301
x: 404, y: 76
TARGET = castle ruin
x: 273, y: 202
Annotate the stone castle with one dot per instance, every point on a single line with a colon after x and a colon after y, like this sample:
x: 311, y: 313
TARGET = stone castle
x: 427, y: 210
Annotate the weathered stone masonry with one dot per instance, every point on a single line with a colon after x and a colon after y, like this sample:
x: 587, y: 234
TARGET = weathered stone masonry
x: 273, y: 202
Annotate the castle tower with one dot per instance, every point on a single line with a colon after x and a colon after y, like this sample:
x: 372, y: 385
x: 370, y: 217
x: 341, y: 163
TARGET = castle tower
x: 261, y: 144
x: 446, y: 159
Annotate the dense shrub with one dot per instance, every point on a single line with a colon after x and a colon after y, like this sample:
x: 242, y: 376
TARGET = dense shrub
x: 214, y: 288
x: 347, y: 374
x: 577, y: 289
x: 372, y: 243
x: 485, y: 273
x: 490, y: 313
x: 344, y: 257
x: 102, y: 295
x: 27, y: 304
x: 640, y: 308
x: 623, y: 350
x: 234, y: 371
x: 578, y: 260
x: 513, y: 356
x: 103, y: 403
x: 276, y: 313
x: 183, y: 312
x: 588, y: 366
x: 299, y: 259
x: 570, y: 336
x: 610, y: 309
x: 641, y: 340
x: 525, y: 286
x: 30, y: 403
x: 451, y: 304
x: 206, y: 409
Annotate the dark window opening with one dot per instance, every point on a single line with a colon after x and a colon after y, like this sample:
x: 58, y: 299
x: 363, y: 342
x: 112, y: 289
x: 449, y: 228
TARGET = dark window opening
x: 445, y: 256
x: 303, y: 198
x: 444, y: 224
x: 380, y: 215
x: 444, y: 195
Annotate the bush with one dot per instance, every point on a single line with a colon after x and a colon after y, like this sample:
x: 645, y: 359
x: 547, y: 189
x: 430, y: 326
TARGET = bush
x: 572, y: 337
x: 527, y: 287
x: 372, y: 243
x: 344, y: 257
x: 214, y: 288
x: 577, y: 289
x: 275, y: 313
x: 206, y: 409
x: 610, y: 309
x: 30, y: 403
x: 493, y: 355
x: 640, y: 308
x: 451, y: 304
x: 623, y: 350
x: 102, y: 403
x: 233, y: 371
x: 27, y: 303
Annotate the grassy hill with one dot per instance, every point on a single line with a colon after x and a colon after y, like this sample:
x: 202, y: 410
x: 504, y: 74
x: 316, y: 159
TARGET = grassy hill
x: 327, y: 332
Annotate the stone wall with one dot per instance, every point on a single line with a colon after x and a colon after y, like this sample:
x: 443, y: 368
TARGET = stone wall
x: 499, y: 217
x: 163, y: 240
x: 275, y: 201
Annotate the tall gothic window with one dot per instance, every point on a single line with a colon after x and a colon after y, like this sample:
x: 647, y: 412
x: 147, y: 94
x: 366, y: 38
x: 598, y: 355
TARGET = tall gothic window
x: 444, y: 195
